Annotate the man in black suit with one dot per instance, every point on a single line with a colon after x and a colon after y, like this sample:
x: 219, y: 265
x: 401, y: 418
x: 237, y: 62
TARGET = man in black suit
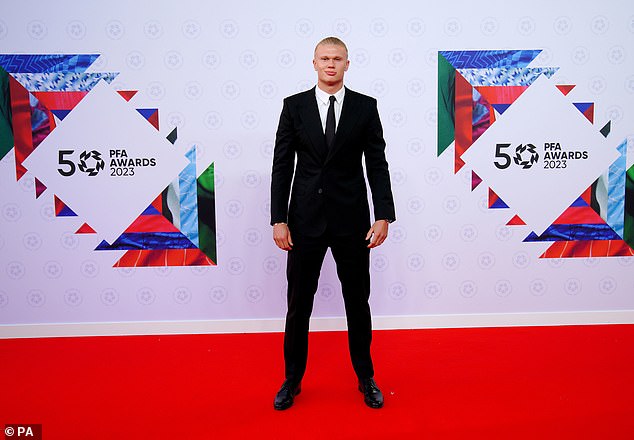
x: 323, y: 136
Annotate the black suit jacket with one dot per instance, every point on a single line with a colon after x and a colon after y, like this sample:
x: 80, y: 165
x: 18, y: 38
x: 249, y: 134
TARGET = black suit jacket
x: 328, y: 186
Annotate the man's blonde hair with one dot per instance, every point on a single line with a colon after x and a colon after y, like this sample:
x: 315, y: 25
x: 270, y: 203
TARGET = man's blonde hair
x: 332, y: 41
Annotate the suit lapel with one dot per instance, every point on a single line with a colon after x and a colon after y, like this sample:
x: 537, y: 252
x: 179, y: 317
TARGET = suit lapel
x: 347, y: 121
x: 310, y: 117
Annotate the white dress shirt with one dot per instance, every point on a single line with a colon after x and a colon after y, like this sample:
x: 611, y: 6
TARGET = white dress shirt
x: 323, y: 102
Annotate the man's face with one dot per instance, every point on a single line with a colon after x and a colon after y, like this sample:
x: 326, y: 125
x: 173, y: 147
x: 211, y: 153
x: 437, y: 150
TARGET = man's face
x: 331, y: 61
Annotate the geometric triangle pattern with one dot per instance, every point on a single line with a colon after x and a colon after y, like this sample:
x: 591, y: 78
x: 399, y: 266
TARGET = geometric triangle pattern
x: 605, y: 227
x: 62, y: 210
x: 565, y: 88
x: 59, y: 79
x: 168, y: 257
x: 474, y: 86
x: 177, y: 229
x: 480, y: 59
x: 495, y: 202
x: 13, y: 63
x: 500, y: 108
x: 151, y: 114
x: 516, y: 221
x: 61, y: 114
x: 85, y: 229
x: 39, y: 188
x: 127, y: 94
x: 475, y: 180
x: 589, y: 249
x: 586, y: 109
x: 605, y: 131
x: 153, y: 239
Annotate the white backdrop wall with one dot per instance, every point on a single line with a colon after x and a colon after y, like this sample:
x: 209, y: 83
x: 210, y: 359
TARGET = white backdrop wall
x: 219, y: 71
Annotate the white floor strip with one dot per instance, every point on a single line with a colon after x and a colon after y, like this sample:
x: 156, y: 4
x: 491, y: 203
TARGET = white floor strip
x: 317, y: 324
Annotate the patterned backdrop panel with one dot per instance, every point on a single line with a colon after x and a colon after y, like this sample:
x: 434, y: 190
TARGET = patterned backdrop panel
x: 136, y: 145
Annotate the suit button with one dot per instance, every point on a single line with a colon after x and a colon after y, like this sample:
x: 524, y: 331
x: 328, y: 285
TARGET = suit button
x: 319, y: 191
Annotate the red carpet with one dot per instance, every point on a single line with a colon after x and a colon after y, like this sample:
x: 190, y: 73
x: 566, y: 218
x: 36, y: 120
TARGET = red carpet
x: 572, y: 382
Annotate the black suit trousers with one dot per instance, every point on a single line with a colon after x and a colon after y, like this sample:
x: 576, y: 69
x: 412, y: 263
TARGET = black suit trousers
x: 352, y: 259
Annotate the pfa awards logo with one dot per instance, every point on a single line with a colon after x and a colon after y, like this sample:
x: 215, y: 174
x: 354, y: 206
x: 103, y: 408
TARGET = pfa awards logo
x: 90, y: 162
x: 539, y: 152
x: 105, y: 161
x: 525, y: 156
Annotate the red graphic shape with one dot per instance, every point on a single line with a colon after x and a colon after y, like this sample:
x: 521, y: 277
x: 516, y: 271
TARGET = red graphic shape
x: 164, y: 257
x: 157, y: 203
x: 587, y: 109
x: 588, y: 248
x: 21, y: 121
x: 59, y: 205
x: 464, y: 119
x: 566, y: 88
x: 501, y: 94
x: 494, y: 200
x: 579, y: 215
x: 587, y: 196
x: 60, y: 100
x: 516, y: 221
x: 127, y: 94
x: 475, y: 180
x: 151, y: 223
x: 85, y: 229
x: 39, y: 188
x: 154, y: 119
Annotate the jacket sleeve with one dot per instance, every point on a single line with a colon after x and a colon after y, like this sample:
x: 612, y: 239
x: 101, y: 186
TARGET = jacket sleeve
x: 377, y: 169
x: 282, y: 170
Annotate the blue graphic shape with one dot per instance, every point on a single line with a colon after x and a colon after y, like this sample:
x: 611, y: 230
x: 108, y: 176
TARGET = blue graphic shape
x: 13, y: 63
x: 616, y: 192
x: 62, y: 81
x: 478, y: 59
x: 499, y: 204
x: 582, y: 232
x: 480, y: 111
x: 188, y: 188
x: 513, y: 76
x: 39, y: 117
x: 583, y: 106
x: 61, y: 114
x: 146, y: 112
x: 147, y: 241
x: 66, y: 212
x: 500, y: 108
x: 151, y: 210
x: 579, y: 203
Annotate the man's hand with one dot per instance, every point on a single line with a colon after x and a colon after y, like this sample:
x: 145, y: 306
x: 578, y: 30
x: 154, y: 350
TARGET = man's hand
x: 282, y: 236
x: 377, y: 233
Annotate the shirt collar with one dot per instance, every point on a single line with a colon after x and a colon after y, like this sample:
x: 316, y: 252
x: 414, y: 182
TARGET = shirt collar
x: 324, y: 97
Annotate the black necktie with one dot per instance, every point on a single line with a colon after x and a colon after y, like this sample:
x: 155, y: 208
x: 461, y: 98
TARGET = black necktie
x: 330, y: 123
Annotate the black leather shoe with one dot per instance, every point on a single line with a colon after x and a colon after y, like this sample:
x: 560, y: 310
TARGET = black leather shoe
x: 372, y: 395
x: 286, y: 394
